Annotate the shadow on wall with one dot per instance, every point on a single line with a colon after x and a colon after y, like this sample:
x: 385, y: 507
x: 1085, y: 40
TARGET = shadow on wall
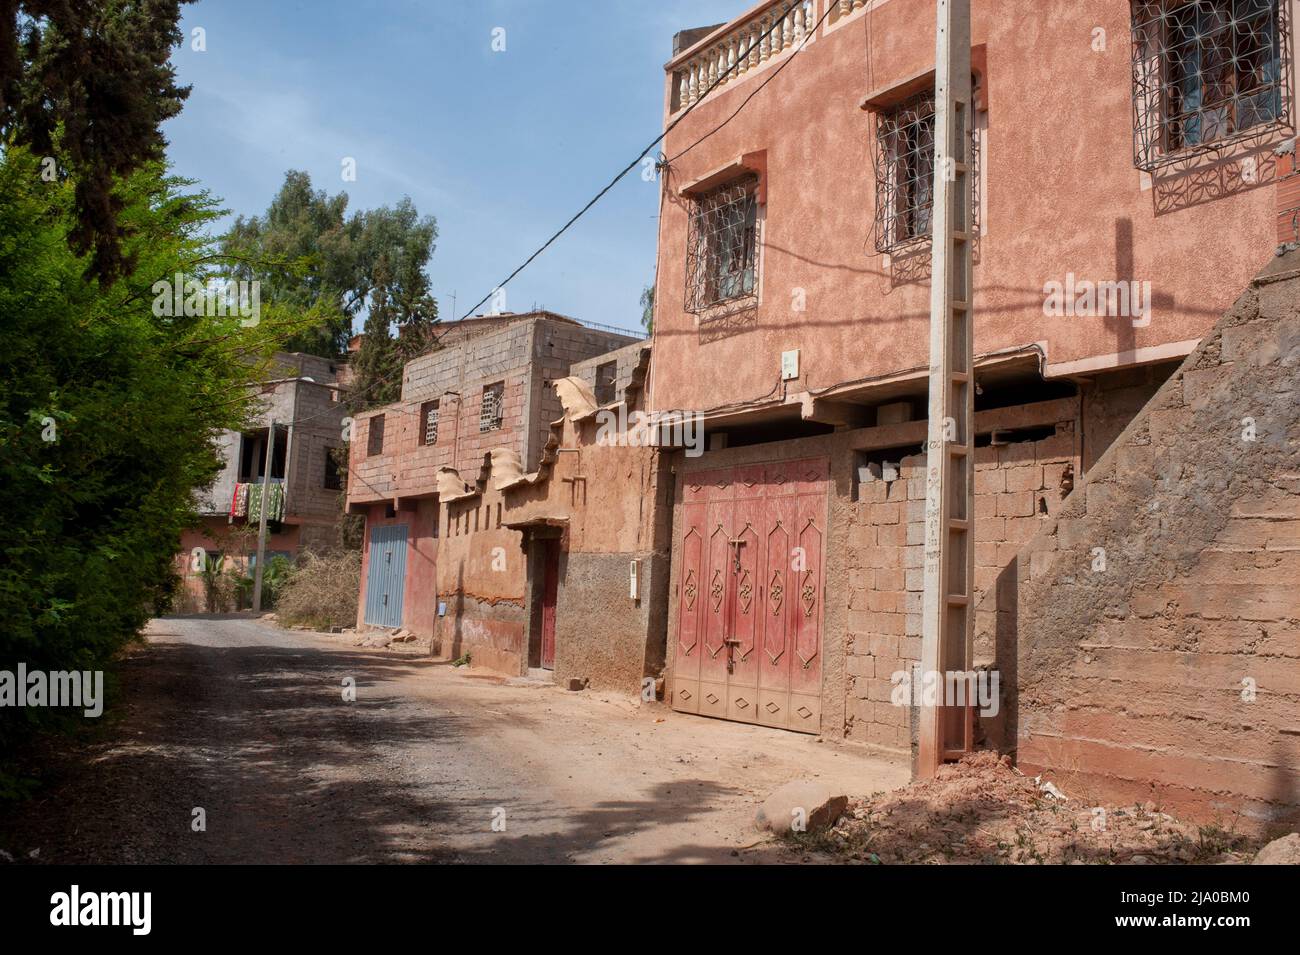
x: 1243, y: 167
x: 1002, y: 731
x: 1156, y: 578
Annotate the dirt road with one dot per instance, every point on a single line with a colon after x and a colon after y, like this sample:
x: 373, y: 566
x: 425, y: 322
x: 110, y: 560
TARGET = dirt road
x: 249, y: 723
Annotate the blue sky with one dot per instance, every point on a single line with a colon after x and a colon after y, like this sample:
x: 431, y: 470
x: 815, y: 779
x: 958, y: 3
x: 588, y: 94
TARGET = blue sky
x: 502, y: 147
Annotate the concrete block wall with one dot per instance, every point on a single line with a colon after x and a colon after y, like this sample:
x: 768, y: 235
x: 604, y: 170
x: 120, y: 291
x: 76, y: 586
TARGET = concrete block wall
x: 317, y: 429
x: 1017, y: 486
x: 408, y: 468
x: 317, y: 416
x: 627, y: 360
x: 557, y: 349
x: 482, y: 356
x: 215, y: 500
x: 526, y: 356
x: 1169, y: 669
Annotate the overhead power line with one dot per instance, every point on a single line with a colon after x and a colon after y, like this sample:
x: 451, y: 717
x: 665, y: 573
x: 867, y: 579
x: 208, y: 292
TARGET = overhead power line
x: 722, y: 76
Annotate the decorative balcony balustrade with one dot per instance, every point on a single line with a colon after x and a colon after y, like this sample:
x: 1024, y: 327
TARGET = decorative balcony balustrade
x: 844, y: 7
x: 768, y: 34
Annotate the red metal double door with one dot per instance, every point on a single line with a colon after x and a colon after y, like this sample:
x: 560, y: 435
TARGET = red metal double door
x: 750, y: 593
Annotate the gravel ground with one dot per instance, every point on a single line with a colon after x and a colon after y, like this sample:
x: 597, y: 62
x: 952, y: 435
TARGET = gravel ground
x: 248, y: 722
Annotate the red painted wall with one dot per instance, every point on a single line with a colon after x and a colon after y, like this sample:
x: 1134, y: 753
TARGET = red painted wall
x: 420, y: 597
x: 1060, y: 194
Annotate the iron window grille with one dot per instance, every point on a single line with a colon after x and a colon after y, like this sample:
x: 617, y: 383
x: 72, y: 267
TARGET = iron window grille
x: 904, y: 169
x: 375, y: 436
x: 429, y: 423
x: 491, y: 411
x: 722, y: 247
x: 1206, y: 74
x: 904, y: 160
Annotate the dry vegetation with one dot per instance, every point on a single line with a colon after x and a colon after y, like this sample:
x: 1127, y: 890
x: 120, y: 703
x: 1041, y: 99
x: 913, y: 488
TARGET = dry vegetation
x: 321, y: 591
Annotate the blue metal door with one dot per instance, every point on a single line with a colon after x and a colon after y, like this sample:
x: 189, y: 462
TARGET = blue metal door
x: 386, y: 576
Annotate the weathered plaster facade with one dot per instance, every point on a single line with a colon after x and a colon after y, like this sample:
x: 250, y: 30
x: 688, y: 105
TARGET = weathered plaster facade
x: 1057, y: 396
x: 302, y: 396
x: 468, y: 583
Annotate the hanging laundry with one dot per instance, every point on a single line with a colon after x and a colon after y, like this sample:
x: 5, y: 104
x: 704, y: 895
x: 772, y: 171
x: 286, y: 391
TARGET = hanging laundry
x: 239, y: 502
x: 274, y: 502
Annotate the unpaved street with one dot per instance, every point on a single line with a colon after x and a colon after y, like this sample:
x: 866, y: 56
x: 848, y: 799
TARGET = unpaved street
x: 248, y: 723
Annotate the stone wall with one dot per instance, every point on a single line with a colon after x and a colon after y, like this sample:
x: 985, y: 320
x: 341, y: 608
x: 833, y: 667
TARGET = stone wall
x: 1151, y: 628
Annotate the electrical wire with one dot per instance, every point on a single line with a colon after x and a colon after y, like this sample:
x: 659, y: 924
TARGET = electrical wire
x: 722, y: 77
x: 758, y: 89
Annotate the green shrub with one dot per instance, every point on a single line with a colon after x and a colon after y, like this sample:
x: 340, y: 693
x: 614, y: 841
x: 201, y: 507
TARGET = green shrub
x: 108, y: 415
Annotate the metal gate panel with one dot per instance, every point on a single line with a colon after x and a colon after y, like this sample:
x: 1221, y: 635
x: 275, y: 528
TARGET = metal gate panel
x: 386, y: 575
x: 690, y: 610
x: 746, y: 603
x: 806, y: 662
x: 780, y: 570
x: 717, y: 612
x: 748, y: 643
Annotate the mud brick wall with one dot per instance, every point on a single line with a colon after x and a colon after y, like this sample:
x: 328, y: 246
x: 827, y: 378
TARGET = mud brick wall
x: 1017, y: 486
x: 481, y: 579
x: 614, y: 502
x: 1170, y: 668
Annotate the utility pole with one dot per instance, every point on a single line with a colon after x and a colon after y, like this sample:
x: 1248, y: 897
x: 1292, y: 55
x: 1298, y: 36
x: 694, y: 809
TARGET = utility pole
x: 948, y: 611
x: 261, y: 520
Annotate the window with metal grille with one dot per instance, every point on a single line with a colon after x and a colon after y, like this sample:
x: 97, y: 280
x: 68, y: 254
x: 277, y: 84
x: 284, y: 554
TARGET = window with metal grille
x: 722, y: 246
x: 904, y: 160
x: 429, y: 423
x: 491, y: 410
x: 375, y: 436
x: 1207, y: 73
x: 606, y: 374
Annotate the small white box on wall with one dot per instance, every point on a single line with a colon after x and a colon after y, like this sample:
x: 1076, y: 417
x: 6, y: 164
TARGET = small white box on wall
x: 789, y: 365
x: 634, y: 579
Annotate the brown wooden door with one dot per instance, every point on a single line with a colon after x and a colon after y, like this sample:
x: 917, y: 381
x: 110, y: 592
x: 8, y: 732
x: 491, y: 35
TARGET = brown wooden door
x: 747, y: 641
x: 550, y: 588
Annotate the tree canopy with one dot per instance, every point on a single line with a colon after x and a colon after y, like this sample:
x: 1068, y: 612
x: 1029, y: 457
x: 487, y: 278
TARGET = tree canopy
x: 310, y: 253
x: 108, y: 414
x: 87, y: 84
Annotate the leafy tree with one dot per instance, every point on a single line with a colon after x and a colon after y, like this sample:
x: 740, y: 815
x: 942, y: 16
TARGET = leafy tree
x: 648, y: 308
x: 304, y: 253
x: 309, y: 253
x: 402, y: 303
x: 108, y: 414
x: 88, y: 82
